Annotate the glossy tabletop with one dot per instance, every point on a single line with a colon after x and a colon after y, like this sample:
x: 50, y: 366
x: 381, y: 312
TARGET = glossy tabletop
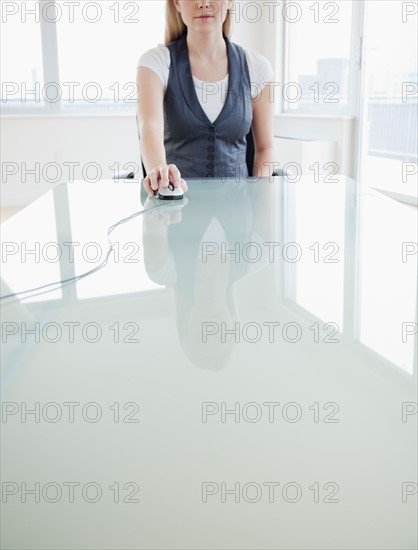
x: 239, y: 374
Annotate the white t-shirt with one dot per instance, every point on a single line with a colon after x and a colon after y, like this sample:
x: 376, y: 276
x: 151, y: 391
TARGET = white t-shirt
x: 211, y: 95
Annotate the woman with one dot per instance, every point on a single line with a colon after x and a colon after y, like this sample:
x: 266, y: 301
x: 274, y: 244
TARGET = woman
x: 199, y: 96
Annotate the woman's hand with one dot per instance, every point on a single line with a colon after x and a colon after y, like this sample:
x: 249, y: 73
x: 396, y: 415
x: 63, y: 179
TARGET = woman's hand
x: 162, y: 175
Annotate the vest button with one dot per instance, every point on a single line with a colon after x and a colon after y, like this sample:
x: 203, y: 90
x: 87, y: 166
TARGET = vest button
x: 212, y: 130
x: 211, y: 157
x: 211, y: 138
x: 209, y: 166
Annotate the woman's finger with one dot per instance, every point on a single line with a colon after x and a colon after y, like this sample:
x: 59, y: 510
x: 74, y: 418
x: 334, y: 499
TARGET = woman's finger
x: 147, y: 186
x: 175, y: 175
x: 164, y: 176
x: 183, y: 184
x: 154, y: 177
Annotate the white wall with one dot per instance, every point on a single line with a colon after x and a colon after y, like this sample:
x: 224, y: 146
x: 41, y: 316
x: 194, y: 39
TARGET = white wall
x: 339, y: 130
x: 32, y: 143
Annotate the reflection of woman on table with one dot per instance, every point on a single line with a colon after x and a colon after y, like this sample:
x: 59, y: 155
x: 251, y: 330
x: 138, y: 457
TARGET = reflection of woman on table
x: 203, y: 284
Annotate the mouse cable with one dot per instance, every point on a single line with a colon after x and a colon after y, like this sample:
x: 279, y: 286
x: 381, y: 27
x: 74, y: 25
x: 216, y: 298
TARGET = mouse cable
x: 97, y: 268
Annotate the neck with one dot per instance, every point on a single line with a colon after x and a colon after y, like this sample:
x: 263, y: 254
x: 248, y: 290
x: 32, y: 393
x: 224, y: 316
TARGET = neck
x: 209, y: 47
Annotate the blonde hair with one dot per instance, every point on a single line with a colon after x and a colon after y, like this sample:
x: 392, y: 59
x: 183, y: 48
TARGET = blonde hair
x: 175, y: 27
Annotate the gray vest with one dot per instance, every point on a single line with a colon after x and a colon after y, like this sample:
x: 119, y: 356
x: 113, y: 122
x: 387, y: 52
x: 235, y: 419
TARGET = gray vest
x: 198, y: 147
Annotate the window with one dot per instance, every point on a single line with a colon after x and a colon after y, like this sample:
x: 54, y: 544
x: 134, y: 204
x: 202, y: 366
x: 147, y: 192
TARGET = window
x: 388, y: 150
x: 317, y: 56
x: 21, y: 55
x: 89, y: 56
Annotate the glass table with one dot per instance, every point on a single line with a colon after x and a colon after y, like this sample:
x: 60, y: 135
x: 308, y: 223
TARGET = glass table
x: 238, y: 370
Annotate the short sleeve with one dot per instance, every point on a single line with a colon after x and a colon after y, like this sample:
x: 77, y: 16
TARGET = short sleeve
x: 158, y: 60
x: 260, y: 70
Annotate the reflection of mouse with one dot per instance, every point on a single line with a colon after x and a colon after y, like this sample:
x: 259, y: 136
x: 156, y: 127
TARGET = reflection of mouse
x: 170, y: 193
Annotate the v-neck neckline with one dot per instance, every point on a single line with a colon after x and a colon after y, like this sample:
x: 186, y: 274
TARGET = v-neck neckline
x: 189, y: 90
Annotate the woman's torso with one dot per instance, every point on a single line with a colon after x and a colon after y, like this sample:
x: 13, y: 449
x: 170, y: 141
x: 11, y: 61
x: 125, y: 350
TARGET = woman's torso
x: 207, y: 110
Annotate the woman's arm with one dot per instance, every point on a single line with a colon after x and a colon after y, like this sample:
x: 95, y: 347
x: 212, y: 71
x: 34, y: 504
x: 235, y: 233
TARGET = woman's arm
x: 262, y: 127
x: 150, y: 118
x: 151, y: 132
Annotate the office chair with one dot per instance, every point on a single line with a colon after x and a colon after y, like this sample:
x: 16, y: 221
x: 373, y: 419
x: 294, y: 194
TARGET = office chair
x: 249, y: 159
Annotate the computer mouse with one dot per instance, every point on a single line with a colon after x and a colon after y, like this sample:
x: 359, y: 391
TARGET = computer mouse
x: 170, y: 193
